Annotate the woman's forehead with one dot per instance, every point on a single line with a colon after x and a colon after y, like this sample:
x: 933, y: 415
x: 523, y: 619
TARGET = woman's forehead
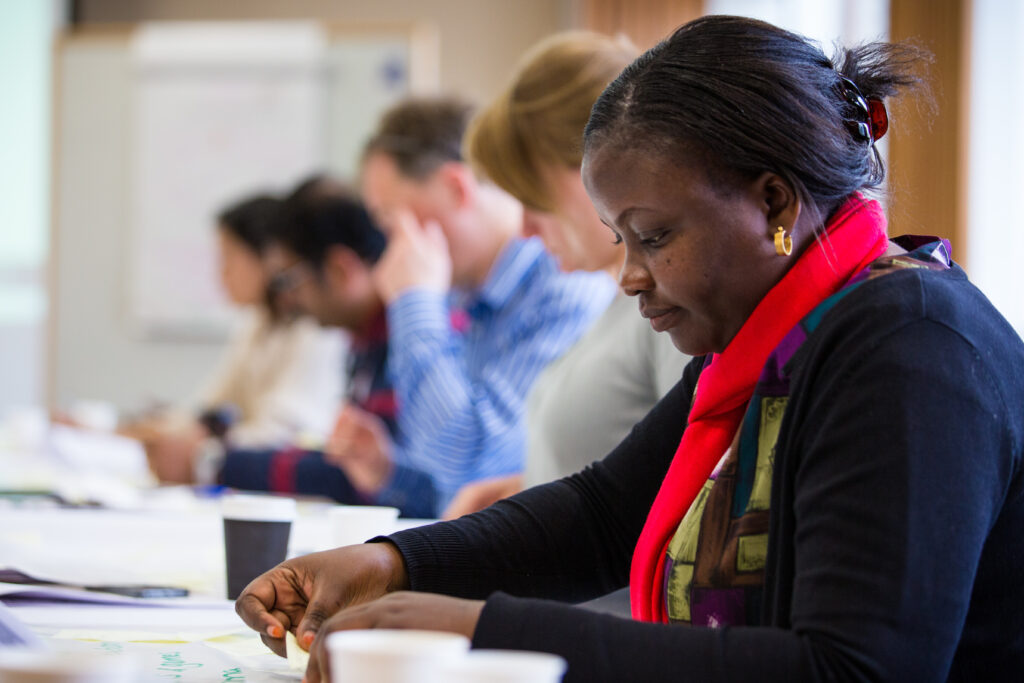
x: 623, y: 181
x: 619, y: 165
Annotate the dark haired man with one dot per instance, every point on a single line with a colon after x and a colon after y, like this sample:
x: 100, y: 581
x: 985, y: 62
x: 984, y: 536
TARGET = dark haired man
x: 324, y: 250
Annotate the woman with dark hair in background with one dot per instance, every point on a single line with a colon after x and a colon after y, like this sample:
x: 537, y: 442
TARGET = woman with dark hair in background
x: 835, y: 489
x: 279, y: 378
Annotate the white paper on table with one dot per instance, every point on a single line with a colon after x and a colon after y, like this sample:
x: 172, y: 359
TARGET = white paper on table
x: 96, y: 547
x: 200, y: 644
x: 52, y: 617
x: 81, y: 466
x: 298, y: 659
x: 91, y: 451
x: 133, y: 636
x: 14, y: 633
x: 235, y: 657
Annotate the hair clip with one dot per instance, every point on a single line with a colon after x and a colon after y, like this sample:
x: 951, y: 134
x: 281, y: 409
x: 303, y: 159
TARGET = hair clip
x: 878, y: 118
x: 872, y: 120
x: 858, y: 126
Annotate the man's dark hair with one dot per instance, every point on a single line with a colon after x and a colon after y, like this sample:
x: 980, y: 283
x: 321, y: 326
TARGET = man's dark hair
x: 421, y: 134
x: 313, y: 222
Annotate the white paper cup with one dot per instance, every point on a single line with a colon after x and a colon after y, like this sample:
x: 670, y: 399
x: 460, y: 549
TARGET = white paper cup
x: 504, y: 666
x: 26, y: 429
x: 101, y: 416
x: 256, y: 532
x: 392, y: 656
x: 36, y: 666
x: 352, y: 524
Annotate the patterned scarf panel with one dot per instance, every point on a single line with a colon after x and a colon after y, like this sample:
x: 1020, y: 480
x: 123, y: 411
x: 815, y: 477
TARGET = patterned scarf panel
x: 714, y: 564
x: 854, y: 237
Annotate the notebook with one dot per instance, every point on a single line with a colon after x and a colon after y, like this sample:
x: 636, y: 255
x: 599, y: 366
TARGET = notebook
x: 13, y: 633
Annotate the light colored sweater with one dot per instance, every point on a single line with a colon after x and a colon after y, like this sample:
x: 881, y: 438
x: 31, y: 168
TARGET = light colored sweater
x: 586, y: 401
x: 285, y: 379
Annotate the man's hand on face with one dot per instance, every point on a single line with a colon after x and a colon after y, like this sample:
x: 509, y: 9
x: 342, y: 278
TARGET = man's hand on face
x: 416, y: 256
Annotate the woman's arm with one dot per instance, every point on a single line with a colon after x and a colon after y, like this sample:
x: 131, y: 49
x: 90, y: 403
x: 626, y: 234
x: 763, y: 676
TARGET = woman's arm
x: 571, y: 539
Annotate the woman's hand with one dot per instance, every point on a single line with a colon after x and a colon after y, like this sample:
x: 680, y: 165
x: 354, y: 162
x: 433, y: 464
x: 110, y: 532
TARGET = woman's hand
x: 172, y: 451
x: 402, y: 610
x: 300, y: 594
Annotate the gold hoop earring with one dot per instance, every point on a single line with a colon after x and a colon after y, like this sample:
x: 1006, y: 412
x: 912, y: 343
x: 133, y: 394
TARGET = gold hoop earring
x: 783, y: 243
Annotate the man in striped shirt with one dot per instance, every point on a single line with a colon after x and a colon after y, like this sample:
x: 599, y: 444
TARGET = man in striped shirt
x: 455, y: 241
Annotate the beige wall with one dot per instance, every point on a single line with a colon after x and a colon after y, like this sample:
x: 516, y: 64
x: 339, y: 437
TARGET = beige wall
x: 480, y: 40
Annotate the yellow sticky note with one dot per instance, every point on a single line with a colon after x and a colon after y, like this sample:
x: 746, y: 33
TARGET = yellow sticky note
x: 297, y: 657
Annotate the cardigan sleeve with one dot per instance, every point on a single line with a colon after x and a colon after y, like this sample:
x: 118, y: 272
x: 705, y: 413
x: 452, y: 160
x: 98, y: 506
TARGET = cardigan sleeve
x: 571, y: 539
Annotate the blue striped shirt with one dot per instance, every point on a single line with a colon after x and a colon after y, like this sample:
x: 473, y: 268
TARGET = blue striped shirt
x: 461, y: 394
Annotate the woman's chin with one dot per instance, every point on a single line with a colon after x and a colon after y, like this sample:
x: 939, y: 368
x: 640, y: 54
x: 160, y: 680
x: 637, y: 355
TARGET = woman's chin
x: 686, y: 342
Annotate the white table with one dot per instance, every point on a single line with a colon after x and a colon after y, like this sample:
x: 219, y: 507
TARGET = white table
x: 176, y: 540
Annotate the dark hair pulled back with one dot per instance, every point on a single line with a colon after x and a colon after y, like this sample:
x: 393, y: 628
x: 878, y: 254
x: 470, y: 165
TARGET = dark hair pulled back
x: 252, y: 220
x: 744, y: 97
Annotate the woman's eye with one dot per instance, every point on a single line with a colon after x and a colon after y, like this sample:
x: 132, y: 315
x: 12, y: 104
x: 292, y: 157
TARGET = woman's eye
x: 654, y: 240
x: 617, y: 240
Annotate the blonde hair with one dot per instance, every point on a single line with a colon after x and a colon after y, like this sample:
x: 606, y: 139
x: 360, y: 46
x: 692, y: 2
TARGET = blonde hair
x: 537, y: 122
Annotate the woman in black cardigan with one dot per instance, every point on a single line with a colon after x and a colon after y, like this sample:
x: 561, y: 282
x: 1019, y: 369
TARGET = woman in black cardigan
x: 834, y: 491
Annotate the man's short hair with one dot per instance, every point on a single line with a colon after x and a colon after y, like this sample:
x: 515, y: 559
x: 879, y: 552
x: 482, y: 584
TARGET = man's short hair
x: 315, y: 221
x: 421, y: 134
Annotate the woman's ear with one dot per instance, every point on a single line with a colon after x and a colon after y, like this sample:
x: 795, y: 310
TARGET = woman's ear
x: 779, y: 200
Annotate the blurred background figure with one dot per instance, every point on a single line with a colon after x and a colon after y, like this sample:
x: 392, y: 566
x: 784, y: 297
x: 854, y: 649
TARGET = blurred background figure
x: 278, y: 379
x: 455, y: 250
x: 322, y: 255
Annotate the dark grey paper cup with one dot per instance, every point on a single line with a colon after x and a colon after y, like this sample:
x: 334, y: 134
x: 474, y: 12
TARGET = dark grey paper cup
x: 256, y: 531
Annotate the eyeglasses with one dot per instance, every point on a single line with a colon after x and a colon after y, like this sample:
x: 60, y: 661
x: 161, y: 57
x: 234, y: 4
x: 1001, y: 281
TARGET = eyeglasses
x: 289, y: 278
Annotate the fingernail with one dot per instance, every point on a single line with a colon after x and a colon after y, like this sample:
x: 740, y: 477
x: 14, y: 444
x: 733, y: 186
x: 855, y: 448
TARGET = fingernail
x: 307, y: 640
x: 275, y: 632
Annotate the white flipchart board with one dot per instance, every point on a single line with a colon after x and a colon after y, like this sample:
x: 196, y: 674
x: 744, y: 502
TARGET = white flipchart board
x: 220, y: 110
x: 223, y: 109
x: 158, y: 128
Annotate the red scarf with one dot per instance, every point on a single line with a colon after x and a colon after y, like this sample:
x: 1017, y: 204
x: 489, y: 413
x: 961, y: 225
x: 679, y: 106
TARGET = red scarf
x: 856, y: 237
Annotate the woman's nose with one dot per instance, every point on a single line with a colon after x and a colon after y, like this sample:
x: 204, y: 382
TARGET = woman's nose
x: 634, y: 277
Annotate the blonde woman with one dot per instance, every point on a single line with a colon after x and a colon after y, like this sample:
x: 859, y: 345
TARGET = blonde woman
x: 529, y: 142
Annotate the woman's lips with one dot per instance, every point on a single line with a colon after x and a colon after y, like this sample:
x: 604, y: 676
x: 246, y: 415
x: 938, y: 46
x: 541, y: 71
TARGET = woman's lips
x: 661, y: 319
